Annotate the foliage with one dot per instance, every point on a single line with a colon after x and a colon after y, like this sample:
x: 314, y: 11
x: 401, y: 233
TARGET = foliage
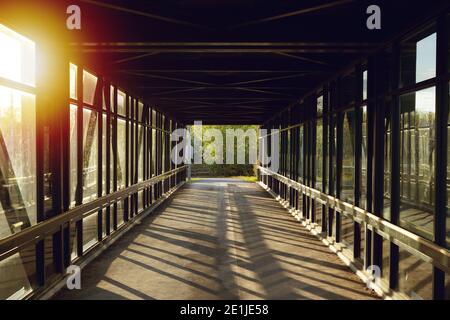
x: 223, y: 170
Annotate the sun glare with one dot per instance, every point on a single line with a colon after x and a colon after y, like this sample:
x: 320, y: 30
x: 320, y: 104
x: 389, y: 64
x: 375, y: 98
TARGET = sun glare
x: 17, y: 57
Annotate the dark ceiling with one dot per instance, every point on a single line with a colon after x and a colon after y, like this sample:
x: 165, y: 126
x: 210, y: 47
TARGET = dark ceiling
x: 232, y: 61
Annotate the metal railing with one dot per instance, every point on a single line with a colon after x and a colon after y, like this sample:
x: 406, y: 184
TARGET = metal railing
x: 19, y: 241
x: 415, y: 244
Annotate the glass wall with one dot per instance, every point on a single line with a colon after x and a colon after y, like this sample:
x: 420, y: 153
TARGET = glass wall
x: 18, y: 209
x: 364, y: 157
x: 417, y: 136
x: 403, y: 106
x: 104, y: 141
x: 348, y: 157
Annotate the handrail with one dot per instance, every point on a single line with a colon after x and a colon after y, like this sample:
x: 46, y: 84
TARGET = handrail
x: 14, y: 243
x: 439, y: 256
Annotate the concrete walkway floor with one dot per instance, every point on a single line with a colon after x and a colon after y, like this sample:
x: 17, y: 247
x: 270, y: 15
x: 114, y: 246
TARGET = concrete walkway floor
x: 218, y: 239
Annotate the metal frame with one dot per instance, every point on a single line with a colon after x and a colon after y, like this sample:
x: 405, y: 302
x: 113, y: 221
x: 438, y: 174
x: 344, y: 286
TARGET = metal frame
x: 382, y: 102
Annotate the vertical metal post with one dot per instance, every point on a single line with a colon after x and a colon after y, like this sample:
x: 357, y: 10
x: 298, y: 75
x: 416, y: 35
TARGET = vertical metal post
x: 442, y: 112
x: 107, y: 93
x: 79, y: 189
x: 115, y: 154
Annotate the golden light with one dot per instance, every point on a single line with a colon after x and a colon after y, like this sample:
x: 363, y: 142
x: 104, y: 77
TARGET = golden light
x: 17, y: 57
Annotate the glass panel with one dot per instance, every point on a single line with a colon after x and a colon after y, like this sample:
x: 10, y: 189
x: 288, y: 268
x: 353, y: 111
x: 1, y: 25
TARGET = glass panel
x: 120, y: 213
x: 104, y: 229
x: 288, y: 153
x: 300, y: 157
x: 90, y: 149
x: 153, y: 118
x: 426, y: 58
x: 17, y: 57
x: 153, y: 152
x: 415, y: 276
x: 163, y: 153
x: 17, y: 161
x: 121, y: 150
x: 417, y: 161
x: 348, y: 158
x: 364, y: 150
x: 73, y: 69
x: 141, y: 154
x: 140, y: 200
x: 364, y: 85
x: 418, y: 59
x: 89, y: 85
x: 385, y: 261
x: 319, y: 106
x: 140, y: 110
x: 73, y: 154
x: 17, y: 274
x: 89, y: 231
x: 319, y: 155
x: 362, y: 242
x: 104, y: 146
x: 121, y: 105
x: 387, y: 169
x: 318, y: 215
x: 347, y: 232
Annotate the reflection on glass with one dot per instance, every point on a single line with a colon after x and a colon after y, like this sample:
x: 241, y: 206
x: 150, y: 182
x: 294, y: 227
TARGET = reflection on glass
x: 417, y: 161
x: 89, y: 231
x: 319, y: 106
x: 348, y: 157
x: 17, y: 57
x: 364, y: 84
x: 385, y: 263
x: 121, y: 151
x: 140, y: 110
x: 153, y: 152
x: 163, y: 153
x: 363, y: 198
x: 17, y: 161
x: 73, y: 153
x: 288, y: 153
x: 90, y: 150
x: 414, y: 276
x: 141, y: 153
x: 319, y: 154
x: 104, y: 146
x: 18, y: 274
x: 347, y: 234
x: 73, y: 69
x: 300, y: 156
x: 387, y: 169
x: 121, y: 105
x: 89, y: 85
x: 154, y: 118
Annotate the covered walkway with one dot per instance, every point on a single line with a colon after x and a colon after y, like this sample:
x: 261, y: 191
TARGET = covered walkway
x: 218, y: 239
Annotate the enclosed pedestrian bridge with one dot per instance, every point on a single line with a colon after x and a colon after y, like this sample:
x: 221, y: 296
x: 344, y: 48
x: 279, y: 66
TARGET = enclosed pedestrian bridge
x: 351, y: 101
